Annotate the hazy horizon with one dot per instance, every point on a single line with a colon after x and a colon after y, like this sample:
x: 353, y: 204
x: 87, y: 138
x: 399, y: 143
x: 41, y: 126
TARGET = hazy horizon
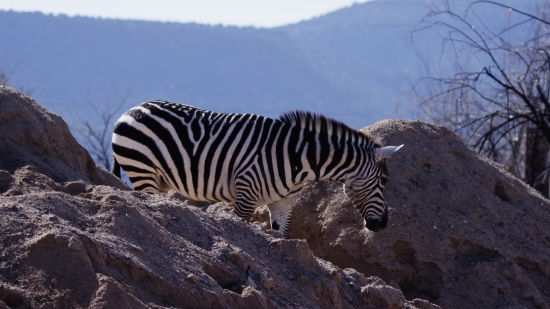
x: 263, y: 14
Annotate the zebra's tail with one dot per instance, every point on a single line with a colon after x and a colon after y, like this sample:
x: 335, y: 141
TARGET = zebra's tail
x: 116, y: 168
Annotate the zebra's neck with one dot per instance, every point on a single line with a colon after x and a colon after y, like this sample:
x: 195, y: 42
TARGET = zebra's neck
x: 328, y: 152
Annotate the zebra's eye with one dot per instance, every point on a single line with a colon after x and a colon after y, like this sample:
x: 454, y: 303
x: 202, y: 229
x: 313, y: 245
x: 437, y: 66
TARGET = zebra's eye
x: 383, y: 180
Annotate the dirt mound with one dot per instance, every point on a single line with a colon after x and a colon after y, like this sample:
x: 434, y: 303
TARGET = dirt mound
x: 69, y: 242
x: 462, y: 232
x: 32, y: 135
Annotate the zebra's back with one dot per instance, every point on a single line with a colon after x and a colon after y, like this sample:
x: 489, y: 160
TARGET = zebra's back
x: 163, y: 145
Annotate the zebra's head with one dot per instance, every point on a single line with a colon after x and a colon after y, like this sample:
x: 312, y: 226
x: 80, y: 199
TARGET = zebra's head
x: 366, y: 188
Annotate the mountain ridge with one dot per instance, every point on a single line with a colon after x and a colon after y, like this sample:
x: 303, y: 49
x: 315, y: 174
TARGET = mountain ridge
x: 358, y: 73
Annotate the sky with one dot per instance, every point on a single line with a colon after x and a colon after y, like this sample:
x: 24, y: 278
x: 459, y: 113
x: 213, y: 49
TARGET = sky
x: 258, y: 13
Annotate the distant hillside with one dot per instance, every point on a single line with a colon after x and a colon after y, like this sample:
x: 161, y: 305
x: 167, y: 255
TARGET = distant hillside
x: 367, y: 49
x: 353, y: 64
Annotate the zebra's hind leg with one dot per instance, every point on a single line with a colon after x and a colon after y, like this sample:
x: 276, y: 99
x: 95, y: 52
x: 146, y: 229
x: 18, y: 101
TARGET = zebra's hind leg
x: 144, y: 181
x: 280, y: 215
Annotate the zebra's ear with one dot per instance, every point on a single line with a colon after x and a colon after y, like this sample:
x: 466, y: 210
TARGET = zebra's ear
x: 386, y: 152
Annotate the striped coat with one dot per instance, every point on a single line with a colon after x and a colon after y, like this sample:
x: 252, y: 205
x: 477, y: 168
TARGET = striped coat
x: 248, y: 159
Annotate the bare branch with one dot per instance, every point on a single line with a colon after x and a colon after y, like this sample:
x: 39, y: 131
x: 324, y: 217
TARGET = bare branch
x: 491, y: 107
x: 511, y: 8
x: 96, y: 135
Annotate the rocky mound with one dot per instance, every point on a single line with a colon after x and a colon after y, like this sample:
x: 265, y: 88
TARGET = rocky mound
x: 32, y: 135
x: 75, y: 237
x: 462, y: 232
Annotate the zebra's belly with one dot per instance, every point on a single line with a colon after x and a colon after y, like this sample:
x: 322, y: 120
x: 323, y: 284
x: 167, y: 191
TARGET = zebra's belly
x: 260, y: 199
x: 216, y: 191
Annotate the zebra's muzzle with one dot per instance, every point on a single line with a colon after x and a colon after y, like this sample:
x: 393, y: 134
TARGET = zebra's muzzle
x: 377, y: 224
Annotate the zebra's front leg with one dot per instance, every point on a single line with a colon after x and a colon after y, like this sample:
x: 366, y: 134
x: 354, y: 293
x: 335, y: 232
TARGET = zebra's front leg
x: 280, y: 215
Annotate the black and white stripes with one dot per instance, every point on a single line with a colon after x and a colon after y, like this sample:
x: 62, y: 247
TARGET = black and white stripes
x: 249, y: 159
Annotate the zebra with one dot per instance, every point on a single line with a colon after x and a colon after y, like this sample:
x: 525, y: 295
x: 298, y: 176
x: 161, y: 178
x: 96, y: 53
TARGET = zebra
x: 249, y: 159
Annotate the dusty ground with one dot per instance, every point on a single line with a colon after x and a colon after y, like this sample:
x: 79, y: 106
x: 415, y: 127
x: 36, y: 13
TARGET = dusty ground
x: 74, y: 236
x: 462, y: 234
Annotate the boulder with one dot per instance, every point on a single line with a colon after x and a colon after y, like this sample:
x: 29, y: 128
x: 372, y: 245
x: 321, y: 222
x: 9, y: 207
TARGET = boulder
x: 462, y: 231
x: 32, y: 135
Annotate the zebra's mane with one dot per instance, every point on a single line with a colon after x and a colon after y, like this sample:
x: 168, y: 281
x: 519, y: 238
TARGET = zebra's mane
x: 323, y: 124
